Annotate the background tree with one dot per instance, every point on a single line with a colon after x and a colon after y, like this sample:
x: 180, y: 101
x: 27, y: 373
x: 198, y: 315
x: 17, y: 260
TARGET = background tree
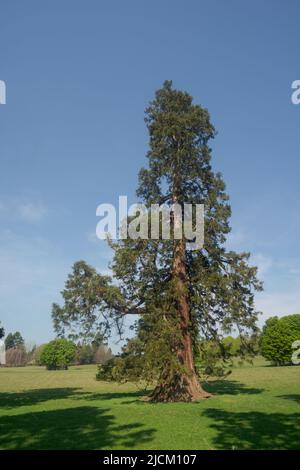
x: 2, y: 331
x: 15, y: 350
x: 58, y: 354
x: 30, y: 352
x: 277, y: 338
x: 102, y: 354
x: 14, y: 340
x: 9, y: 341
x: 16, y: 357
x: 92, y: 353
x: 97, y: 341
x: 92, y: 306
x: 180, y: 295
x: 84, y: 354
x: 35, y: 355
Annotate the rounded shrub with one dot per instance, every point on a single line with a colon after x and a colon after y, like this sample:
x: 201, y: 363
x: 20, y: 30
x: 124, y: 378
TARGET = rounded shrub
x: 58, y: 354
x: 277, y: 338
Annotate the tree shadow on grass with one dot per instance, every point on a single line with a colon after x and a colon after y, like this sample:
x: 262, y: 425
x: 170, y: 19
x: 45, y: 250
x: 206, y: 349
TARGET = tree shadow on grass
x: 132, y: 396
x: 230, y: 387
x: 10, y: 400
x: 216, y: 387
x: 32, y: 397
x: 254, y: 430
x: 294, y: 397
x: 72, y: 428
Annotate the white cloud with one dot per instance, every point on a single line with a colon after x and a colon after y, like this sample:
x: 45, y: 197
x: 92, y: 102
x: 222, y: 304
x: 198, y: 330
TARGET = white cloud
x: 32, y: 212
x: 29, y: 211
x: 263, y: 263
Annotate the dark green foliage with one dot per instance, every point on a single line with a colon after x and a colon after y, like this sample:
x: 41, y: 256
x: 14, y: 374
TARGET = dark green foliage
x: 212, y: 358
x: 91, y: 305
x: 14, y: 340
x: 126, y: 367
x: 58, y: 354
x: 129, y: 366
x: 106, y: 372
x: 2, y: 331
x: 277, y: 338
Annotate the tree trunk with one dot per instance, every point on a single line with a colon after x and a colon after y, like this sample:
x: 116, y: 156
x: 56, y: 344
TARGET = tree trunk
x: 183, y: 386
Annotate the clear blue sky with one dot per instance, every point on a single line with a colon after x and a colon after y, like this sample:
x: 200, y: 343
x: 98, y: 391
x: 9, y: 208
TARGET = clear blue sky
x: 79, y: 75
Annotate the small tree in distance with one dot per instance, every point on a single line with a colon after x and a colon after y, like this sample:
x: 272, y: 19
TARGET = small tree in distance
x: 84, y: 354
x: 14, y: 340
x: 16, y: 357
x: 58, y: 354
x: 103, y: 354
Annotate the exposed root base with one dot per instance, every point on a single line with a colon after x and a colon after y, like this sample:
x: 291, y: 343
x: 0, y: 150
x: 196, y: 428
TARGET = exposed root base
x: 190, y: 390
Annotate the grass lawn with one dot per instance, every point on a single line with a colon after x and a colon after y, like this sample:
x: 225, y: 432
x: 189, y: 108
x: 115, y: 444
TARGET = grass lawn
x: 257, y: 407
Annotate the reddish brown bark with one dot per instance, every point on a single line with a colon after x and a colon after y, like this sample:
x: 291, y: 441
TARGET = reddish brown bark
x: 183, y: 386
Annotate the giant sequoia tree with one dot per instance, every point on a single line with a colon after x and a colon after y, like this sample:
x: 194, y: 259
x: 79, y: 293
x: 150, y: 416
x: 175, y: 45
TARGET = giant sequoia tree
x: 178, y: 294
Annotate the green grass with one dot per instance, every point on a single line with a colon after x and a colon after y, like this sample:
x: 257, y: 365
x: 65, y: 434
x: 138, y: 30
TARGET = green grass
x: 257, y: 407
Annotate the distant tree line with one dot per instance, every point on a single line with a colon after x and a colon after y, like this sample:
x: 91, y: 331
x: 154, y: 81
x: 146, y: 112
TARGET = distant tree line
x: 57, y: 354
x: 274, y: 342
x: 60, y: 353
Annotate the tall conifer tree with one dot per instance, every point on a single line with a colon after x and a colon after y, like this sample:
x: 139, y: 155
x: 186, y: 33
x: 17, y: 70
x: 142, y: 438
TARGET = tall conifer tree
x: 179, y: 294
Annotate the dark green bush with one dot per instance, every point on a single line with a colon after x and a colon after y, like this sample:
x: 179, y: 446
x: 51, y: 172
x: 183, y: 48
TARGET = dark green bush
x: 106, y: 371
